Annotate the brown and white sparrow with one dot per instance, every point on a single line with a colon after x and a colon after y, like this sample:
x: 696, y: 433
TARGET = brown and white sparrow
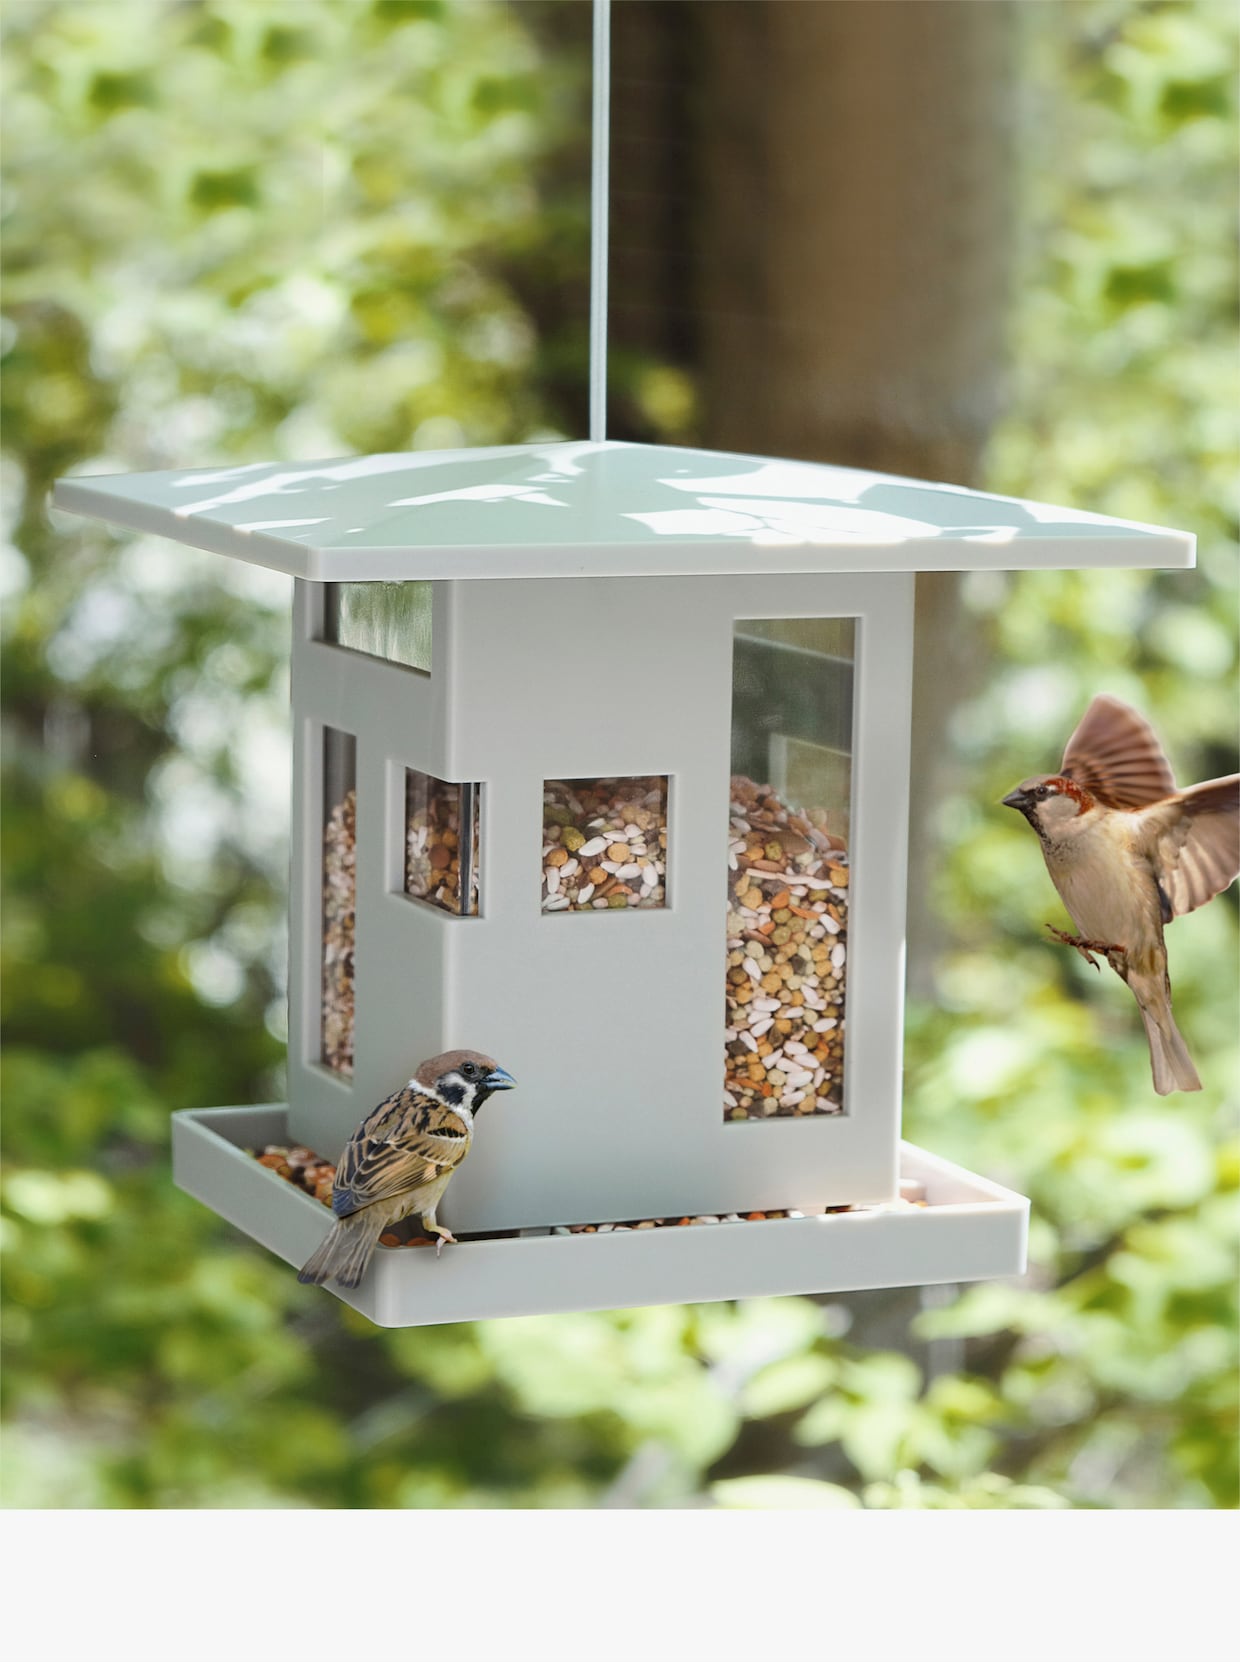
x: 400, y: 1160
x: 1127, y: 853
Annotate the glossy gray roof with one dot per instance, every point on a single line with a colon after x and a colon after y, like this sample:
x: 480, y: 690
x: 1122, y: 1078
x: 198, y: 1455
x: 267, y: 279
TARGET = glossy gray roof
x: 611, y: 509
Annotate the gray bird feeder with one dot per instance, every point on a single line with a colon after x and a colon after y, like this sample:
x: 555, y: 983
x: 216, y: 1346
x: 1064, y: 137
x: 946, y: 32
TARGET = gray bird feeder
x: 601, y: 765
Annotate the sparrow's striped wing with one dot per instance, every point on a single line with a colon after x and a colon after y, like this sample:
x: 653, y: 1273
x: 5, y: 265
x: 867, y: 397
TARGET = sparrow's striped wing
x: 1197, y: 843
x: 408, y: 1142
x: 1115, y: 757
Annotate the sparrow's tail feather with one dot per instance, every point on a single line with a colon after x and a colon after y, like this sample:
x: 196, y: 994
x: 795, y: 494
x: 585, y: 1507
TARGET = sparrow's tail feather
x: 1169, y: 1059
x: 346, y: 1251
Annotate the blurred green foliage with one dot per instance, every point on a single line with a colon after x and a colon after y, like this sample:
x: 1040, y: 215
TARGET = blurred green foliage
x: 244, y: 228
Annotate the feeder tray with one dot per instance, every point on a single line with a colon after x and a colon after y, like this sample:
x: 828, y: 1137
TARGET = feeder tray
x: 969, y: 1228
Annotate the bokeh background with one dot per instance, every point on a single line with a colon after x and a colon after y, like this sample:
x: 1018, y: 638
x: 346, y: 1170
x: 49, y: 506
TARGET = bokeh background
x: 989, y: 243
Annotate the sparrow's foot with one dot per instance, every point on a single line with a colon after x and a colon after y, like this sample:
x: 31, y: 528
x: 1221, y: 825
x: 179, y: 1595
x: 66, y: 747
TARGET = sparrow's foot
x: 444, y: 1236
x: 1087, y: 948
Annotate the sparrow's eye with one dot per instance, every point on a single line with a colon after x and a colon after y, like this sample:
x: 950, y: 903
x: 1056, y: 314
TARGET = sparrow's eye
x: 470, y: 1070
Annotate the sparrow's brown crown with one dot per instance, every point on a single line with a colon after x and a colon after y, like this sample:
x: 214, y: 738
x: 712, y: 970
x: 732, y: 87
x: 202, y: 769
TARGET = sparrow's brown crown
x: 452, y: 1061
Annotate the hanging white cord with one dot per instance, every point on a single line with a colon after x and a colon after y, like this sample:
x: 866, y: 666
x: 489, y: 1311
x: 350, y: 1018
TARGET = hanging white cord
x: 599, y: 196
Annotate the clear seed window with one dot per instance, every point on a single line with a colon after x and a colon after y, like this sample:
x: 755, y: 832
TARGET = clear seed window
x: 604, y: 844
x: 442, y: 824
x: 792, y: 700
x: 391, y: 621
x: 339, y: 898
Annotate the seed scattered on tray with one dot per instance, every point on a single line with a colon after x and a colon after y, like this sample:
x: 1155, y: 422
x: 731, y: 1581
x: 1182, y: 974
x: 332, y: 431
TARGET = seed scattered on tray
x: 898, y: 1205
x: 604, y: 844
x: 339, y: 924
x: 300, y: 1167
x: 787, y: 952
x: 305, y: 1170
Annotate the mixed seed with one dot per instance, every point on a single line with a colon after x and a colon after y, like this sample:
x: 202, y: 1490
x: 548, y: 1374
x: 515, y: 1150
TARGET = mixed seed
x: 604, y: 844
x: 914, y: 1198
x: 300, y: 1167
x: 605, y: 848
x: 433, y: 843
x: 339, y: 930
x: 305, y: 1170
x: 787, y: 950
x: 681, y: 1223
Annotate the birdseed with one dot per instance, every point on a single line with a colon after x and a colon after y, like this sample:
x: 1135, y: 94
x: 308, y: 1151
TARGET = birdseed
x: 433, y: 843
x: 302, y: 1168
x: 605, y: 848
x: 315, y: 1176
x: 787, y: 949
x: 305, y: 1170
x: 604, y: 844
x: 339, y: 928
x: 900, y: 1204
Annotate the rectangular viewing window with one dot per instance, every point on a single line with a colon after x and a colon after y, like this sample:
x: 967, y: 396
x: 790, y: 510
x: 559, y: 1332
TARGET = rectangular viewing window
x: 339, y: 897
x: 604, y: 844
x: 391, y: 621
x: 788, y: 860
x: 442, y: 823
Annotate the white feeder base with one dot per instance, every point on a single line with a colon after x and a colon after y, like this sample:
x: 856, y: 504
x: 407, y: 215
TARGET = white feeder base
x: 969, y: 1230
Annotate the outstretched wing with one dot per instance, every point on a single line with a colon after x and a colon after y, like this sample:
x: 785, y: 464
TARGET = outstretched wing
x: 1196, y: 840
x: 1114, y: 755
x: 408, y: 1142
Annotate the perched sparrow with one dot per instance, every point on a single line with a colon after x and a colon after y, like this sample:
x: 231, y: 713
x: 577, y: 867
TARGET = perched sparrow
x: 400, y: 1160
x: 1127, y: 853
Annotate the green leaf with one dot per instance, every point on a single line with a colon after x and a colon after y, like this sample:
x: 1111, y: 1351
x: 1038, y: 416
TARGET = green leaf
x: 872, y: 1436
x: 395, y: 13
x: 214, y: 190
x: 786, y: 1385
x: 781, y: 1494
x: 112, y: 90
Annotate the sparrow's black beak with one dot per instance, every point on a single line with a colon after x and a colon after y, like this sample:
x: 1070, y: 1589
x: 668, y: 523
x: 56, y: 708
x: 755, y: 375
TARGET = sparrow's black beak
x: 1017, y: 799
x: 499, y: 1079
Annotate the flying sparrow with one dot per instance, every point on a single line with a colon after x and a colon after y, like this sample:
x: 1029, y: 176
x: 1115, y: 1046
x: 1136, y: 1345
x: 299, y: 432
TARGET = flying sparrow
x: 1127, y: 853
x: 400, y: 1160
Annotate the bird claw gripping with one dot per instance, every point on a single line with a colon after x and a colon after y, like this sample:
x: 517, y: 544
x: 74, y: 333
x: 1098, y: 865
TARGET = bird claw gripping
x: 1087, y: 948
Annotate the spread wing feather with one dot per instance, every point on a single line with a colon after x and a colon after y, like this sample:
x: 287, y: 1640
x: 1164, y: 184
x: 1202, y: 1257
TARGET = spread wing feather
x: 408, y: 1142
x: 1115, y: 756
x: 1196, y: 839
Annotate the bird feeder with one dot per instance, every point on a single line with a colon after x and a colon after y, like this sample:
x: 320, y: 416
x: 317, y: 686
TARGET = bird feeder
x: 601, y: 765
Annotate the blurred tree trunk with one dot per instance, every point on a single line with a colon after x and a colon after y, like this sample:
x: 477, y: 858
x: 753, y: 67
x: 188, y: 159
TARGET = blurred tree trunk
x: 810, y: 209
x: 811, y: 213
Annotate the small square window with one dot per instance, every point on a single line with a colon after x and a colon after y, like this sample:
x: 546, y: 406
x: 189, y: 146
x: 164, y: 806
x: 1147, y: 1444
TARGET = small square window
x: 604, y: 844
x: 391, y: 621
x: 442, y: 823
